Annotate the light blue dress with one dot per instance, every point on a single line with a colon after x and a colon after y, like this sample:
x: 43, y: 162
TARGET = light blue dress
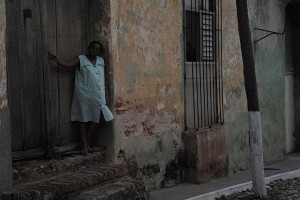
x: 89, y: 92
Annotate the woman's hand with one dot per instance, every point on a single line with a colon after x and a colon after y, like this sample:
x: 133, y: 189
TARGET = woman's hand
x: 52, y: 57
x: 107, y: 99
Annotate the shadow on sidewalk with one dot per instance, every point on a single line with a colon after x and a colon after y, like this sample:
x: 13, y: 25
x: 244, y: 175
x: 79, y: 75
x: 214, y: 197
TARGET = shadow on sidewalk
x: 287, y: 168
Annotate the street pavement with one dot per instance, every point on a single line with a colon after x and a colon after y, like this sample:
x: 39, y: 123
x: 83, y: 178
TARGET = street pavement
x: 281, y: 177
x: 276, y: 190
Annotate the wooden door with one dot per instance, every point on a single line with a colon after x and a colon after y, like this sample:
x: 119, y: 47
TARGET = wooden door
x: 25, y: 74
x: 40, y: 93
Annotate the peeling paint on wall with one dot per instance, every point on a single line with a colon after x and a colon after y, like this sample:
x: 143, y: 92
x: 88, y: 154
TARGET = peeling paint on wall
x: 148, y: 83
x: 147, y: 58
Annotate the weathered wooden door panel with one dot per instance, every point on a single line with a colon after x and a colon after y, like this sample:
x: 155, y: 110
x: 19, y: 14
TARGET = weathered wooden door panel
x: 25, y: 82
x: 14, y: 72
x: 49, y: 19
x: 70, y: 42
x: 30, y: 57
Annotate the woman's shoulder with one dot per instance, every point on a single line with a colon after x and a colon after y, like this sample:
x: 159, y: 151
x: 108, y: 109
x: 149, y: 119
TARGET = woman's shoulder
x: 100, y: 60
x: 81, y: 57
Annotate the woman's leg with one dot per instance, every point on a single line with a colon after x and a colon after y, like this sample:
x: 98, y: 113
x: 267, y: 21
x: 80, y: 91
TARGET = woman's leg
x: 83, y: 135
x: 92, y: 128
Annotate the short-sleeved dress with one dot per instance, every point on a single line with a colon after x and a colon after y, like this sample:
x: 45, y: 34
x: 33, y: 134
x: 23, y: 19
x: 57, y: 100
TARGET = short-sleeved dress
x: 89, y: 92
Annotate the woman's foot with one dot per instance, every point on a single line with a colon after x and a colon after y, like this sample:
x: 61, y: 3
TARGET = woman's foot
x: 84, y: 152
x: 90, y: 149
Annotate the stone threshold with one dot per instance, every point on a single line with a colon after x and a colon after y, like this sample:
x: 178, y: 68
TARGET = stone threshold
x: 33, y: 170
x: 60, y: 186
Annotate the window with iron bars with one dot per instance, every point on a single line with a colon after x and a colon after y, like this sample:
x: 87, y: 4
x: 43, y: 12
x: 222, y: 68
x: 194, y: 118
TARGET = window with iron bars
x: 203, y: 66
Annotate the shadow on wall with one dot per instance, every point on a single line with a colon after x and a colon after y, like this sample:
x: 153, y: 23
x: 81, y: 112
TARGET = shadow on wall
x: 293, y: 76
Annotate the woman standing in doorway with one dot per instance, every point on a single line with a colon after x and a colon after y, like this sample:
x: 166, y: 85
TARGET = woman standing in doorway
x: 89, y: 98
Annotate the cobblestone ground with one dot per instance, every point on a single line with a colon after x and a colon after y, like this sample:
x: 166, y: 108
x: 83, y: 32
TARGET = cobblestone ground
x: 276, y: 190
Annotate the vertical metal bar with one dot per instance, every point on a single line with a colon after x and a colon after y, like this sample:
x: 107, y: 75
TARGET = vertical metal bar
x: 221, y: 64
x: 208, y: 60
x: 199, y: 110
x: 216, y: 55
x: 207, y: 71
x: 184, y: 57
x: 200, y: 67
x: 211, y: 64
x: 220, y: 95
x: 217, y: 60
x: 196, y: 43
x: 193, y: 69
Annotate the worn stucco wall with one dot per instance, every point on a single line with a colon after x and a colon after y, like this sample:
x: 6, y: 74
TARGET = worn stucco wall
x: 270, y: 63
x: 206, y: 154
x: 147, y: 58
x: 5, y: 138
x: 235, y: 103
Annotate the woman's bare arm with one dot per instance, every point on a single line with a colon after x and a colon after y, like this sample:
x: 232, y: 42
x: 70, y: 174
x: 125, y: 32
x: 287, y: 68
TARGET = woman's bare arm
x: 70, y: 65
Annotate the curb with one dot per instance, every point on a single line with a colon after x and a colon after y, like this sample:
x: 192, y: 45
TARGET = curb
x: 244, y: 186
x: 122, y: 188
x: 61, y: 186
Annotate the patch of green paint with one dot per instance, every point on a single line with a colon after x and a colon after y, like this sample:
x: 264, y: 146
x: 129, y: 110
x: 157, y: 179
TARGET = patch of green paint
x: 160, y: 3
x: 270, y: 66
x: 133, y: 73
x: 132, y: 16
x: 181, y: 82
x: 124, y: 29
x: 130, y: 90
x: 161, y: 57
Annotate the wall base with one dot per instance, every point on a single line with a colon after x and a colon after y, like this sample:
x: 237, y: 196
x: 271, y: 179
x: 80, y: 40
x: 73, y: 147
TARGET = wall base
x: 206, y: 154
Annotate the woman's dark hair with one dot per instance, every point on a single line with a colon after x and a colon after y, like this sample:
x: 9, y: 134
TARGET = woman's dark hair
x: 96, y: 42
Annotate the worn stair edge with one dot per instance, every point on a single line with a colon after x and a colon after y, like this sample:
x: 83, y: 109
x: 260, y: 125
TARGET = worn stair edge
x: 29, y: 171
x: 57, y: 188
x: 124, y: 188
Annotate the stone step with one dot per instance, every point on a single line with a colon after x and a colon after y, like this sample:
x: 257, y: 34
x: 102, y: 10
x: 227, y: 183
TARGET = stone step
x: 59, y: 187
x: 33, y: 170
x: 124, y: 188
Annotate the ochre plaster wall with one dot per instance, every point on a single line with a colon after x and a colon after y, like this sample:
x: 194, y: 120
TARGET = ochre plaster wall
x: 147, y: 59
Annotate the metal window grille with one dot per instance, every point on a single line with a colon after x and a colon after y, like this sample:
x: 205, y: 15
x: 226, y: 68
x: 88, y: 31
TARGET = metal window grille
x: 203, y: 66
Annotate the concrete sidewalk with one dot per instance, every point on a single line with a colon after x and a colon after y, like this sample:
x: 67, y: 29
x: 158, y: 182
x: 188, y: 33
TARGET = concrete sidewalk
x: 290, y: 168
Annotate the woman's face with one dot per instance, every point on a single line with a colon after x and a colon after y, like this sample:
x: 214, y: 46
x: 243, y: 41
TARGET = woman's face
x: 94, y: 50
